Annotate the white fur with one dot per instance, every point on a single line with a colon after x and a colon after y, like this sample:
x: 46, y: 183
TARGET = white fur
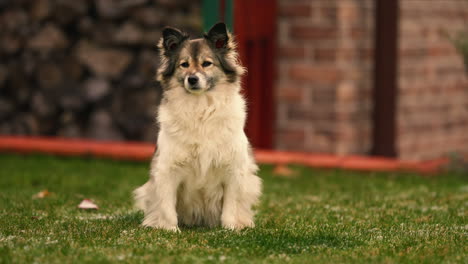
x: 203, y: 172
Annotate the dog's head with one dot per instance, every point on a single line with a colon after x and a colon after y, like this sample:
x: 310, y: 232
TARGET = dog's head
x: 198, y: 65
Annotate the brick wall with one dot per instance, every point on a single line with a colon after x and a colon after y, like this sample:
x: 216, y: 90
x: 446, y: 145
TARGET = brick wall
x: 433, y: 87
x: 325, y: 61
x: 325, y: 75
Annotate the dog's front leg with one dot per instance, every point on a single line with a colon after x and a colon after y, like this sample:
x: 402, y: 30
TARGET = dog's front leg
x: 161, y: 211
x: 240, y: 194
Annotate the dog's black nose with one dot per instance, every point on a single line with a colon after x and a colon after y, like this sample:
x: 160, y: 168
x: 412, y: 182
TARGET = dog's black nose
x: 192, y: 79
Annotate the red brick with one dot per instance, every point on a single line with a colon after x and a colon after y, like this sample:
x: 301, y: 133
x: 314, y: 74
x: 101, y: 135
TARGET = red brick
x: 440, y: 50
x: 292, y: 138
x: 346, y: 92
x: 348, y: 12
x: 294, y: 9
x: 322, y: 142
x: 366, y: 54
x: 291, y: 94
x: 359, y: 33
x: 313, y: 32
x: 310, y: 114
x: 325, y: 54
x: 292, y: 51
x: 315, y: 74
x: 414, y: 52
x: 333, y: 55
x: 323, y: 94
x: 329, y: 14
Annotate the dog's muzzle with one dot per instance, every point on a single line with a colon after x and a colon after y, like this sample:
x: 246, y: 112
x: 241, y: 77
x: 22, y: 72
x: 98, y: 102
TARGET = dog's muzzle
x: 194, y: 84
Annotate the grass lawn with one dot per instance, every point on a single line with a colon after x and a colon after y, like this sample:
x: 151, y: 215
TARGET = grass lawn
x: 318, y: 217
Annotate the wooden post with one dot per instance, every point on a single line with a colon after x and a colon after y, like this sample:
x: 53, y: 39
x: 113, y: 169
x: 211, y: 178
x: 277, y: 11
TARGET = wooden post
x: 385, y: 78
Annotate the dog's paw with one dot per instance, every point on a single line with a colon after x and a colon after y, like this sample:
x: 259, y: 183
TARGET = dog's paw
x: 174, y: 229
x: 163, y: 226
x: 238, y: 225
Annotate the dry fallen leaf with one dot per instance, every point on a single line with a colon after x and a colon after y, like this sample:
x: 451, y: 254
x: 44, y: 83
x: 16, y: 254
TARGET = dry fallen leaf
x: 283, y: 170
x: 87, y: 204
x: 41, y: 194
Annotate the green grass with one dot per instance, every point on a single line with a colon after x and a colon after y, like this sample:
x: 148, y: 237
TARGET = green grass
x: 318, y: 217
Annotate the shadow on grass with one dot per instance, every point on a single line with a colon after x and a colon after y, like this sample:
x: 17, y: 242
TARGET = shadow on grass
x: 276, y: 241
x: 258, y: 241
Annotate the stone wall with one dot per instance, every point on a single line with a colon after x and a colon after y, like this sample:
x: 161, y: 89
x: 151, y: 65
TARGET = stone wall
x: 82, y: 68
x: 325, y: 61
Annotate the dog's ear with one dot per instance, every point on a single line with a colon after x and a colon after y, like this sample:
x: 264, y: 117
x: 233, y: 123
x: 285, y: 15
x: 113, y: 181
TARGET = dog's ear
x: 168, y: 46
x: 172, y: 39
x: 218, y: 36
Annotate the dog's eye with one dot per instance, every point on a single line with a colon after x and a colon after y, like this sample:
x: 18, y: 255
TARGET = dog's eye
x: 206, y: 63
x: 184, y: 64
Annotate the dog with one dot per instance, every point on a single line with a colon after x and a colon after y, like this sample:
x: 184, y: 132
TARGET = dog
x: 203, y: 172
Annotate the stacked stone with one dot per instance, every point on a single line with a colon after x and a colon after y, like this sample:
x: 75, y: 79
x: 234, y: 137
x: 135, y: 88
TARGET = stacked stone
x: 82, y: 68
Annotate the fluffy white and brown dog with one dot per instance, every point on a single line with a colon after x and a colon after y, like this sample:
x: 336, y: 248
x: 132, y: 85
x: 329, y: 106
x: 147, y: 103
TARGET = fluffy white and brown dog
x: 203, y: 172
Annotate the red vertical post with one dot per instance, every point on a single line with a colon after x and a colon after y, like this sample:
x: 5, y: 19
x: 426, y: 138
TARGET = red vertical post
x: 222, y: 9
x: 255, y: 28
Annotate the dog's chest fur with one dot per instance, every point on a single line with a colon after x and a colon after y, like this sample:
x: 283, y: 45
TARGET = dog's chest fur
x: 203, y: 130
